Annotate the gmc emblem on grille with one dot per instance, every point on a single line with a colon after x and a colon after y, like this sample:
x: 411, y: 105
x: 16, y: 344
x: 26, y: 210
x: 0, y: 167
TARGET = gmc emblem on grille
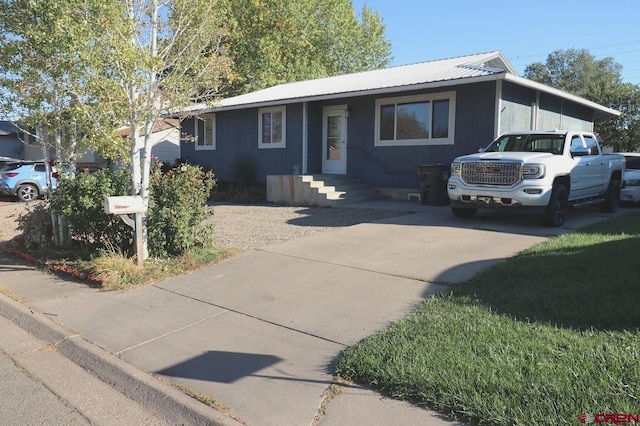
x: 488, y: 169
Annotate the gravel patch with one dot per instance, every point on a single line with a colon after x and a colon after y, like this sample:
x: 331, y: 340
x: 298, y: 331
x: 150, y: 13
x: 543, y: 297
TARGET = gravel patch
x: 246, y: 227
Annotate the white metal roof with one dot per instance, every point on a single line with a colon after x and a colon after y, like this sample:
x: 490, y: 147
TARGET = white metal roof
x: 548, y: 89
x: 437, y: 73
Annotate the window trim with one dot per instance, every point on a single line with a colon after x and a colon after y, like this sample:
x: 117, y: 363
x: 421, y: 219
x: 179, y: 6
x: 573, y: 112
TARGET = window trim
x: 430, y: 97
x: 212, y: 137
x: 282, y: 109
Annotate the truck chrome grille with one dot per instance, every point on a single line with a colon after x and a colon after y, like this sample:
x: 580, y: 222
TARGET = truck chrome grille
x: 490, y: 173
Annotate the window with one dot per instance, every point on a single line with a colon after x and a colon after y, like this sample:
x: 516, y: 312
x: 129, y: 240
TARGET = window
x: 576, y: 143
x: 592, y: 145
x: 205, y: 129
x: 416, y: 120
x: 272, y: 127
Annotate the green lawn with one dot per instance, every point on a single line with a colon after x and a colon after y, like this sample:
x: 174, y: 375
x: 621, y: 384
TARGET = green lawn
x: 539, y: 339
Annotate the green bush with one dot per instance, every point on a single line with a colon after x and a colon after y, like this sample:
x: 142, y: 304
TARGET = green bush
x: 80, y: 200
x: 174, y: 219
x: 177, y: 210
x: 36, y: 227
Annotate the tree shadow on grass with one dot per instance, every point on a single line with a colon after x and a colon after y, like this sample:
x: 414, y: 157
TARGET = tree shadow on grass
x: 585, y: 287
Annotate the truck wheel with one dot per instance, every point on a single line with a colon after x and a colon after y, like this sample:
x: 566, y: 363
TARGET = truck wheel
x: 612, y: 198
x: 27, y: 192
x: 463, y: 213
x: 558, y: 206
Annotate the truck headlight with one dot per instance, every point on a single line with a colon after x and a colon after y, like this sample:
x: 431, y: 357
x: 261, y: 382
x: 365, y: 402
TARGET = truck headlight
x: 455, y: 169
x: 632, y: 182
x: 532, y: 171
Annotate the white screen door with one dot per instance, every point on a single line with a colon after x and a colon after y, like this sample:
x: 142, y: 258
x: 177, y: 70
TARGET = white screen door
x: 334, y: 141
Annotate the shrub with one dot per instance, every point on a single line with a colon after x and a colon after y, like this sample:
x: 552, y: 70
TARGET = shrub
x: 80, y: 200
x: 174, y: 219
x: 177, y: 210
x: 36, y: 227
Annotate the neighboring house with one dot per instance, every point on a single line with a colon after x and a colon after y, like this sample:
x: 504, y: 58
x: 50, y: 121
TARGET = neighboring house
x: 165, y: 146
x: 11, y: 137
x: 165, y: 140
x: 379, y: 126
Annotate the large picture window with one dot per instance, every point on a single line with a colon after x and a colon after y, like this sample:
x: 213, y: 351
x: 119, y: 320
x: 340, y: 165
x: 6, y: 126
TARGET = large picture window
x: 272, y: 127
x: 205, y: 129
x: 416, y: 120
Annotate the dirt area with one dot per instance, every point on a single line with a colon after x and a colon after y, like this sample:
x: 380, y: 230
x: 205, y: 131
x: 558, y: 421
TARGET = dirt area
x: 9, y: 212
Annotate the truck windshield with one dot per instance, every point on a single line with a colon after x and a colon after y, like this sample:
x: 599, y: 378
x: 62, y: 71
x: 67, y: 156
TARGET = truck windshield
x: 528, y: 143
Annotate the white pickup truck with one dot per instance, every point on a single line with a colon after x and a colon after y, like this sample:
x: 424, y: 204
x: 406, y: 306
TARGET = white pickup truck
x: 541, y: 173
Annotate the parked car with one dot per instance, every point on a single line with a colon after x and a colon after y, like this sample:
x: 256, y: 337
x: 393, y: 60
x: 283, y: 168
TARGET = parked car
x: 631, y: 190
x: 26, y: 180
x: 7, y: 160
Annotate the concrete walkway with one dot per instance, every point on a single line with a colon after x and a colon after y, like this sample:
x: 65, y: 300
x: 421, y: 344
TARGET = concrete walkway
x: 259, y: 332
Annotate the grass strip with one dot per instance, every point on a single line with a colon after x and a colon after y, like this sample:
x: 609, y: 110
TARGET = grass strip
x: 539, y: 339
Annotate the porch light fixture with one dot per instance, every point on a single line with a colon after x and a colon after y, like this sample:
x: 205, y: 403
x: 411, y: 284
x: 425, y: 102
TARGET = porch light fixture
x: 347, y: 113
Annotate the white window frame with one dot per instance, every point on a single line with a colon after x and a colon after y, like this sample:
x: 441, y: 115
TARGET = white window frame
x: 282, y: 109
x: 209, y: 137
x: 450, y: 96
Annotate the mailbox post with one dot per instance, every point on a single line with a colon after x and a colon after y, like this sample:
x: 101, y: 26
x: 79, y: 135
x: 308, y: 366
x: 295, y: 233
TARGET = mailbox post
x: 123, y: 206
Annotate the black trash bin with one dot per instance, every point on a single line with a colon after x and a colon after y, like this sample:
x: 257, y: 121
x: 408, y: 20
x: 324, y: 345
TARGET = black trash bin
x: 433, y: 184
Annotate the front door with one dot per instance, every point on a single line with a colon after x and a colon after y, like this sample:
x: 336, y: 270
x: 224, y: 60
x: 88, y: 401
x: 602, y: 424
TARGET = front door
x: 334, y: 140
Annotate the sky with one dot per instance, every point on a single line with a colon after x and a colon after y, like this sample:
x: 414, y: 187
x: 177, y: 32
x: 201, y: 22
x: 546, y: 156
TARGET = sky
x: 525, y: 31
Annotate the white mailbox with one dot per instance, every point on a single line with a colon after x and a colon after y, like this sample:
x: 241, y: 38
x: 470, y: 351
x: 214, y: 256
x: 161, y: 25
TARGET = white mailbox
x: 124, y: 204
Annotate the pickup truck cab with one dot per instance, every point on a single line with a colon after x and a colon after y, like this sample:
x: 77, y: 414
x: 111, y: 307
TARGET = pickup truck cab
x: 538, y: 172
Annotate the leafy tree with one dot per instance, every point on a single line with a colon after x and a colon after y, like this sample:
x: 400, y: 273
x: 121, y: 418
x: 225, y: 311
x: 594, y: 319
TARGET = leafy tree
x: 622, y: 133
x: 280, y: 41
x: 41, y: 73
x: 116, y: 63
x: 578, y: 72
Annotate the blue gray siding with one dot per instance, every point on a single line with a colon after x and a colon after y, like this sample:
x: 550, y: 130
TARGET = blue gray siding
x: 396, y: 167
x: 519, y: 111
x: 382, y: 166
x: 237, y: 138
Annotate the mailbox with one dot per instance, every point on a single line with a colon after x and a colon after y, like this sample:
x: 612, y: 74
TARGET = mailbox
x: 124, y: 204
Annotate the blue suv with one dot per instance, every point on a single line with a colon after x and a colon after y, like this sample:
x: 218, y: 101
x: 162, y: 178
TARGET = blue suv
x: 26, y: 180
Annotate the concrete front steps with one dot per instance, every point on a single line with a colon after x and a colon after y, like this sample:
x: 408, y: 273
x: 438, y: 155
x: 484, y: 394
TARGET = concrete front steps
x: 318, y: 190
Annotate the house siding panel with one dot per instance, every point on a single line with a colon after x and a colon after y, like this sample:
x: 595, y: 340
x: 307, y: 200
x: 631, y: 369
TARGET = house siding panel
x: 396, y: 166
x: 553, y: 112
x: 237, y: 138
x: 557, y: 113
x: 384, y: 166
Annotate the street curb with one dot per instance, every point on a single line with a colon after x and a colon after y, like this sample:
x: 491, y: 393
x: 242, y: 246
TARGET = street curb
x: 164, y: 400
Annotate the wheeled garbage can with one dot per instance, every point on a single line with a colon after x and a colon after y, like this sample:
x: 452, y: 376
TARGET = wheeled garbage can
x: 433, y: 184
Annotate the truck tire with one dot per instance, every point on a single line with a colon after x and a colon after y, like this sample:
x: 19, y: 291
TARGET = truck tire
x: 463, y: 213
x: 558, y: 206
x: 612, y: 197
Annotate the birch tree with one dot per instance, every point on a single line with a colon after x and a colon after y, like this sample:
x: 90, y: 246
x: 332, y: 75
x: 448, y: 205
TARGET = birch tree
x: 109, y: 64
x: 153, y: 57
